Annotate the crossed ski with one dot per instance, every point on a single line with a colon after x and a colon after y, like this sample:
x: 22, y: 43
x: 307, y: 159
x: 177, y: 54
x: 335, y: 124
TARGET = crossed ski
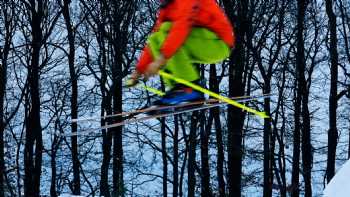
x: 164, y: 108
x: 164, y: 111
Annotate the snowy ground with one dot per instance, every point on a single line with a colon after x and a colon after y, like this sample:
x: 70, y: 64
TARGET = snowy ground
x: 340, y: 184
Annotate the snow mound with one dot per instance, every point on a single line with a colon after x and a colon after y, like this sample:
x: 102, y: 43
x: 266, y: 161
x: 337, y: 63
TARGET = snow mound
x: 339, y: 186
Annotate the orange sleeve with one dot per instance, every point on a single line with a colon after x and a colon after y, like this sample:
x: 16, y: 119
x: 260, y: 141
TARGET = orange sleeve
x: 159, y: 21
x: 180, y: 28
x: 146, y: 56
x: 145, y: 59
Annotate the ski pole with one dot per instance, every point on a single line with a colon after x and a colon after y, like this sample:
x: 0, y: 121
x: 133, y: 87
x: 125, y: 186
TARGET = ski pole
x: 213, y: 94
x: 132, y: 82
x: 153, y: 90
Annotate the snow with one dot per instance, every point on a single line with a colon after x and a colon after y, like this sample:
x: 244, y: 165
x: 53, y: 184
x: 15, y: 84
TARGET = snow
x: 339, y: 186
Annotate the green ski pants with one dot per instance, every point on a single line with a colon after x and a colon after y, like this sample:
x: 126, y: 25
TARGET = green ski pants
x: 202, y: 46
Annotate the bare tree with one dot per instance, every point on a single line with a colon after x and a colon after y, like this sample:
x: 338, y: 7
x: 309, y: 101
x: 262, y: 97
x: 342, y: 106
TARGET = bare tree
x: 299, y: 84
x: 164, y: 157
x: 37, y: 15
x: 333, y: 102
x: 236, y: 88
x: 205, y: 168
x: 215, y: 116
x: 7, y: 29
x: 267, y: 71
x: 74, y: 97
x: 192, y: 154
x: 176, y: 157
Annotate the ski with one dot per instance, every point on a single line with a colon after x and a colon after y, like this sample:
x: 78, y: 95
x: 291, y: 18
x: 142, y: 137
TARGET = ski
x: 142, y: 117
x: 160, y: 108
x: 212, y: 94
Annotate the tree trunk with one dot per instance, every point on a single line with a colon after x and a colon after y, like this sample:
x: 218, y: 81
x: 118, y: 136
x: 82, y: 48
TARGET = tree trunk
x: 235, y: 147
x: 105, y: 109
x: 164, y: 159
x: 296, y: 144
x: 106, y: 134
x: 8, y: 13
x: 215, y: 113
x: 205, y: 170
x: 3, y: 71
x: 73, y: 99
x: 307, y: 148
x: 333, y: 105
x: 192, y: 155
x: 236, y: 88
x: 34, y: 145
x: 184, y: 163
x: 299, y: 82
x: 122, y: 13
x: 118, y: 182
x: 268, y: 154
x: 176, y: 158
x: 304, y: 93
x: 3, y: 80
x: 280, y: 133
x: 106, y: 149
x: 53, y: 192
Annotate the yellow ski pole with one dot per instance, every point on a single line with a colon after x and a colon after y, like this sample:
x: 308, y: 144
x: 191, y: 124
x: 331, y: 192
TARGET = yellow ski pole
x: 132, y: 82
x: 153, y: 90
x: 213, y: 94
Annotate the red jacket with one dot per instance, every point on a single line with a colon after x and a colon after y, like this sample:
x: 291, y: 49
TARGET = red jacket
x: 185, y: 14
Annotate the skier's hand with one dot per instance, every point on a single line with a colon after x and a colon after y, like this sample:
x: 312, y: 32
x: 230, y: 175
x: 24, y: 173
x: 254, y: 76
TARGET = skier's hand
x: 133, y: 80
x: 155, y: 66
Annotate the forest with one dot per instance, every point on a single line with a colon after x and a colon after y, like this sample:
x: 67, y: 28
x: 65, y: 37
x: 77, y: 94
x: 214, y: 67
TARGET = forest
x: 66, y: 59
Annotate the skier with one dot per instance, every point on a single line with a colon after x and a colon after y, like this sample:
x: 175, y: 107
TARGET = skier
x: 186, y: 32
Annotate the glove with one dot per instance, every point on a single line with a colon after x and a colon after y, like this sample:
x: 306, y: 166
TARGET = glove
x: 133, y: 80
x: 151, y: 70
x: 155, y: 66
